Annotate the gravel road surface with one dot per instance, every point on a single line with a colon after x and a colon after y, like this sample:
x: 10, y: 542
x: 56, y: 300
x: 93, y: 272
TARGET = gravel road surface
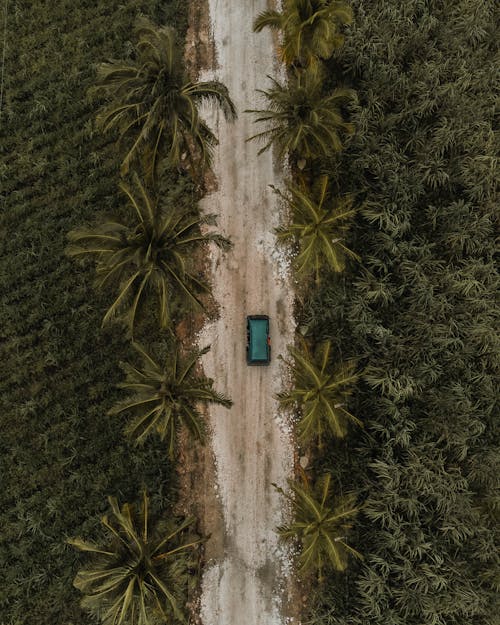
x: 247, y: 583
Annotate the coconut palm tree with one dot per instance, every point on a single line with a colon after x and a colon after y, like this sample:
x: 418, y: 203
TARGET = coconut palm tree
x: 321, y: 392
x: 302, y: 122
x: 141, y: 575
x: 310, y: 28
x: 320, y: 527
x: 152, y: 101
x: 318, y: 228
x: 147, y: 254
x: 167, y: 396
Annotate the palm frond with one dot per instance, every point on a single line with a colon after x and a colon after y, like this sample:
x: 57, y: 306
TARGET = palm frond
x: 153, y: 106
x: 301, y: 122
x: 311, y: 30
x: 320, y: 391
x: 319, y: 526
x: 317, y: 228
x: 146, y: 256
x: 166, y: 397
x: 128, y: 585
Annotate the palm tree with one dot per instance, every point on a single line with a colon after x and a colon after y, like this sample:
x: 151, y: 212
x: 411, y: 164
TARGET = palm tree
x: 320, y: 527
x: 321, y: 393
x: 302, y: 122
x: 142, y: 574
x: 147, y: 254
x: 310, y: 28
x: 167, y: 396
x: 152, y: 101
x: 319, y: 231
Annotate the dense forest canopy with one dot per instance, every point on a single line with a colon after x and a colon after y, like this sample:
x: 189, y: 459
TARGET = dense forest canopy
x: 419, y: 312
x: 61, y: 455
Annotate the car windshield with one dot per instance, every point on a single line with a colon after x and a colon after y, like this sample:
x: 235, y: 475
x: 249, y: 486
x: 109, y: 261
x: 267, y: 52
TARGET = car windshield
x: 258, y: 339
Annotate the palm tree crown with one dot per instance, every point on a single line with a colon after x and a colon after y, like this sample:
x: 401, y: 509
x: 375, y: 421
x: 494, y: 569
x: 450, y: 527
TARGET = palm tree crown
x: 152, y: 101
x: 320, y: 527
x: 148, y: 253
x: 301, y: 121
x: 142, y: 574
x: 166, y: 397
x: 318, y: 230
x: 321, y: 393
x: 311, y: 28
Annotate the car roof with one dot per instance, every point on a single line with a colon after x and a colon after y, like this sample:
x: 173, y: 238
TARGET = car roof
x: 258, y: 338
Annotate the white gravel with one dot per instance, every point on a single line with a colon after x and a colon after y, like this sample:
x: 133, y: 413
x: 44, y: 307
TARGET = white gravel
x: 248, y: 583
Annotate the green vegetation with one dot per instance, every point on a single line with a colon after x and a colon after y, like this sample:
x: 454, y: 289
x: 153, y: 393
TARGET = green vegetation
x: 167, y: 396
x: 311, y: 29
x: 140, y: 574
x: 419, y: 314
x: 153, y: 253
x: 152, y: 99
x: 320, y: 526
x: 60, y: 454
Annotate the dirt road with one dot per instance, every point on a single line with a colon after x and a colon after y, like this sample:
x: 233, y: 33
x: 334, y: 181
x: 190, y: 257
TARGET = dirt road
x: 247, y: 583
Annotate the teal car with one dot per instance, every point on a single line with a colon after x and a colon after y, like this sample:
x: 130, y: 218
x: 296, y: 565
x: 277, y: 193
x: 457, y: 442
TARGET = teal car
x: 258, y: 340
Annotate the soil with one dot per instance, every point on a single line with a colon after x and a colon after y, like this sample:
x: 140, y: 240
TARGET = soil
x: 200, y: 48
